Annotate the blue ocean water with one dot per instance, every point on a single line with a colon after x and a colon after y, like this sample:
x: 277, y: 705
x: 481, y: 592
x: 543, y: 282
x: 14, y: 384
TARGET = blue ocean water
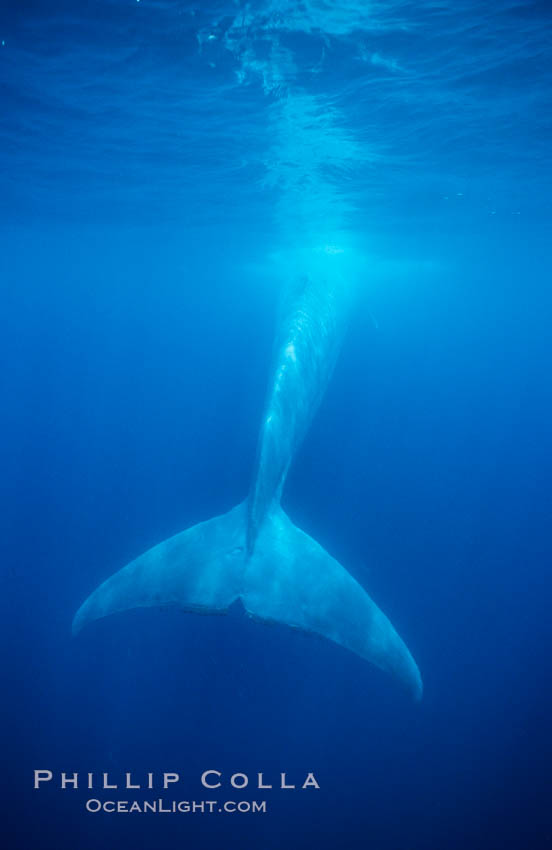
x: 164, y: 165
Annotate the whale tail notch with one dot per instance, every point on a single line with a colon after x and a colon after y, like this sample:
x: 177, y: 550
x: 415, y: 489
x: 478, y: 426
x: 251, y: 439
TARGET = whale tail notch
x: 289, y: 578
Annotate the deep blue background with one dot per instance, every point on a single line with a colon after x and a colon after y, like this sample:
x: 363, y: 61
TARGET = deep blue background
x: 136, y: 327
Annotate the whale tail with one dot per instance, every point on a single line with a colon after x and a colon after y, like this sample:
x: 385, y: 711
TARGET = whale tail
x: 289, y: 578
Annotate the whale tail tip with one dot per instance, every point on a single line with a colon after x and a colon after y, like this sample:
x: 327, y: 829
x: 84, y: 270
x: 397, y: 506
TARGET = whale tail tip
x: 288, y: 578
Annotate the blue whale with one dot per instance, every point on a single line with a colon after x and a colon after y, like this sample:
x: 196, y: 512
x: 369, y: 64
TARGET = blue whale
x: 254, y: 553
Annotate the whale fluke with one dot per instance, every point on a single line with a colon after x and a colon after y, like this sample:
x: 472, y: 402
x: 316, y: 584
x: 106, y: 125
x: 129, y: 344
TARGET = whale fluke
x: 289, y: 578
x: 254, y: 553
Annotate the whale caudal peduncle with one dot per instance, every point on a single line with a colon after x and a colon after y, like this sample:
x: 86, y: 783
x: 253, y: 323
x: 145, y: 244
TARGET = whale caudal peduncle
x: 306, y: 348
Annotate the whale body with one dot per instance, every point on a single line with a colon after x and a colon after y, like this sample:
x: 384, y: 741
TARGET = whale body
x: 254, y: 553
